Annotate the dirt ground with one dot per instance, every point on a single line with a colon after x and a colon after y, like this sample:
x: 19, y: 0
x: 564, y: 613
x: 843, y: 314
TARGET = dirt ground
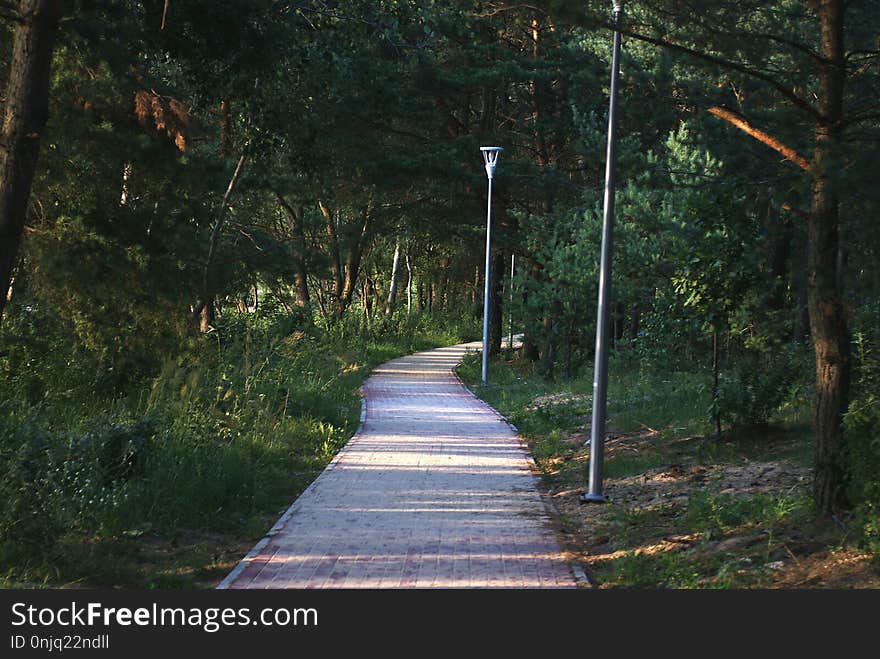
x: 815, y: 557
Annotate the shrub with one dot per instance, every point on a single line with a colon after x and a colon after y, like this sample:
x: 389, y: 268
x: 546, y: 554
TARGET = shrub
x: 759, y: 383
x: 860, y: 458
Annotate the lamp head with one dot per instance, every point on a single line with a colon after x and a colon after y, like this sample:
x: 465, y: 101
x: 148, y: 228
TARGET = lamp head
x: 490, y: 158
x: 618, y: 6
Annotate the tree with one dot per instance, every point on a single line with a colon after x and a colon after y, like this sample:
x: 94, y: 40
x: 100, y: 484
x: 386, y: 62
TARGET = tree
x: 24, y: 117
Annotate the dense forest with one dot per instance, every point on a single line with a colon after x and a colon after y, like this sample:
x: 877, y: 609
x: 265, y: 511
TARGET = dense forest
x: 216, y: 217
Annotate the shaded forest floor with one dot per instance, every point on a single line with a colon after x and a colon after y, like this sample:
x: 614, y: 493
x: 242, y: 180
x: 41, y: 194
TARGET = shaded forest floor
x: 685, y: 510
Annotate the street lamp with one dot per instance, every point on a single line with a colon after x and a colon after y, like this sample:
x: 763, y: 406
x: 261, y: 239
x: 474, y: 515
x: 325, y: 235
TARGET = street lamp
x: 510, y: 311
x: 600, y: 374
x: 490, y: 159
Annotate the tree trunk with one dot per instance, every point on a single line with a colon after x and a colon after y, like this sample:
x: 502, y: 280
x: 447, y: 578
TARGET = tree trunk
x: 368, y: 298
x: 209, y: 285
x: 546, y: 353
x: 206, y: 315
x: 617, y: 318
x: 126, y: 176
x: 780, y: 257
x: 225, y: 130
x: 797, y: 280
x: 335, y: 261
x: 716, y: 409
x: 300, y: 276
x: 529, y: 348
x: 409, y: 283
x: 827, y: 324
x: 634, y: 322
x: 392, y: 288
x: 569, y: 341
x: 25, y: 114
x: 443, y: 288
x: 476, y: 297
x: 353, y: 257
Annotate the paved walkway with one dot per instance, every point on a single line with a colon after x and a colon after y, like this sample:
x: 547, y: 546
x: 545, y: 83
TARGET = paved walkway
x: 435, y: 491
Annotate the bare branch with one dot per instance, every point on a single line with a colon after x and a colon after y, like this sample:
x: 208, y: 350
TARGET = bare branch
x: 761, y: 136
x: 862, y: 54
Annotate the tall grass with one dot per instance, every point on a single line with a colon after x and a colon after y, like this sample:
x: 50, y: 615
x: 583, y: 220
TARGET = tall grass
x: 218, y: 435
x: 677, y: 401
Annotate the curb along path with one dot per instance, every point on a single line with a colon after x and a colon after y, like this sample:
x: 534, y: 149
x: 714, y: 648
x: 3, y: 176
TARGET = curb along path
x: 434, y: 491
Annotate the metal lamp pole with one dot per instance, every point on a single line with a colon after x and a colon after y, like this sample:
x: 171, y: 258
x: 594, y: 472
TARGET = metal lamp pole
x: 510, y: 311
x: 490, y: 159
x: 600, y: 376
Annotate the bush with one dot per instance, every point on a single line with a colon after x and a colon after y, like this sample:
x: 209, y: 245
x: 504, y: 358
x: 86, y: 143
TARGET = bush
x: 55, y: 483
x: 759, y: 383
x: 860, y: 458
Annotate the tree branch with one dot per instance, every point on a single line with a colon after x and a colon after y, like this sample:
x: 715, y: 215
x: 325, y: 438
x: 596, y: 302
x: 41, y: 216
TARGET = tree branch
x: 796, y: 100
x: 761, y: 136
x: 806, y: 50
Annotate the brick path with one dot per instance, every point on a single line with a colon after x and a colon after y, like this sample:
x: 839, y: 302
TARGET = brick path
x: 435, y: 491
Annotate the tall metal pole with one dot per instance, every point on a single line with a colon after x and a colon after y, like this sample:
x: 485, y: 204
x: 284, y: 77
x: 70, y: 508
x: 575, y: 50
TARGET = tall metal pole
x: 595, y: 493
x: 510, y: 309
x: 490, y: 159
x: 486, y: 287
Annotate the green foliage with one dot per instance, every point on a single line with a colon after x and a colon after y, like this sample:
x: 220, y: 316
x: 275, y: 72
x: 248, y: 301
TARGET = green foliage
x: 762, y: 385
x: 715, y: 515
x: 55, y: 483
x: 860, y: 459
x: 218, y: 435
x: 665, y: 570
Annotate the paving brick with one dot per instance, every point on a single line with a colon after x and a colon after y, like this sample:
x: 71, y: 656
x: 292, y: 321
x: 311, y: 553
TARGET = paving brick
x: 435, y: 490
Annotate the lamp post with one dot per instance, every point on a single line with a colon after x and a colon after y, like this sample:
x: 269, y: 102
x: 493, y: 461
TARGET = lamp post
x: 600, y: 374
x: 490, y: 160
x: 510, y: 311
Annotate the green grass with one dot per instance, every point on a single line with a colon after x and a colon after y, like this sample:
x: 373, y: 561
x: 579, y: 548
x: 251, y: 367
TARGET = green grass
x: 715, y: 515
x: 140, y: 484
x: 674, y: 403
x: 759, y: 519
x: 678, y: 571
x: 631, y: 465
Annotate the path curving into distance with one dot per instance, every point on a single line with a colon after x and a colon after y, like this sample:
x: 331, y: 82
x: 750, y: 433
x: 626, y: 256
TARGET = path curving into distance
x: 434, y: 491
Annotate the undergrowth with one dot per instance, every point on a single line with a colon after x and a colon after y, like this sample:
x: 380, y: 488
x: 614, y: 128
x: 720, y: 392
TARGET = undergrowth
x: 215, y: 438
